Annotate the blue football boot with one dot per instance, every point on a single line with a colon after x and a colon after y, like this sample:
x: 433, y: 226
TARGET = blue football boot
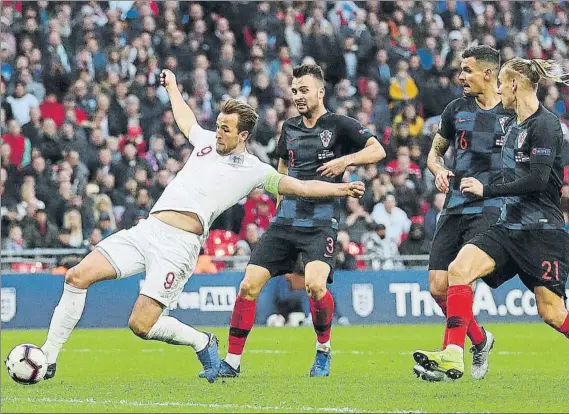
x: 321, y: 366
x: 209, y: 358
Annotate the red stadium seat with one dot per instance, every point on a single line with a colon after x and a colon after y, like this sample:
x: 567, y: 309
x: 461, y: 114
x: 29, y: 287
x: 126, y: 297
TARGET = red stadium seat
x: 28, y: 267
x: 221, y: 243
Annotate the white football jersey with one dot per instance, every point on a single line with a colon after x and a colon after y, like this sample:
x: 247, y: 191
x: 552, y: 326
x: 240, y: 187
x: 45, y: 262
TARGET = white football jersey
x: 209, y: 183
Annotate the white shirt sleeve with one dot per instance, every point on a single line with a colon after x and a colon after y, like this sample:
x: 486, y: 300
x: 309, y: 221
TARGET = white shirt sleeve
x: 200, y: 137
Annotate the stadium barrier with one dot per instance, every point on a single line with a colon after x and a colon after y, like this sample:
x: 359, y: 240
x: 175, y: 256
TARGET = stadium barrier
x: 27, y: 301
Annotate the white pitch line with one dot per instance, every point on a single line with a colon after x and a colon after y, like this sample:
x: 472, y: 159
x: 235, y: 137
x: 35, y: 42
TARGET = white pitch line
x: 127, y: 403
x: 271, y: 351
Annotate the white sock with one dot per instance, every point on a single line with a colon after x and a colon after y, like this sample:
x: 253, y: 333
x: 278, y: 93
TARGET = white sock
x: 65, y: 317
x: 325, y: 347
x: 455, y: 347
x: 233, y: 359
x: 172, y: 331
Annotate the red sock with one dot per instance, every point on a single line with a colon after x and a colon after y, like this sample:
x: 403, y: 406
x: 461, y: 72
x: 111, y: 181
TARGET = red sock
x: 475, y: 332
x: 564, y: 328
x: 443, y: 305
x: 322, y: 313
x: 459, y: 313
x: 242, y: 320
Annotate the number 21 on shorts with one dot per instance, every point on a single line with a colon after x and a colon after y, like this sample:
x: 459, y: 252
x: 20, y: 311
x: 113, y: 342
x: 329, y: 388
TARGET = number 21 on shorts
x: 550, y: 270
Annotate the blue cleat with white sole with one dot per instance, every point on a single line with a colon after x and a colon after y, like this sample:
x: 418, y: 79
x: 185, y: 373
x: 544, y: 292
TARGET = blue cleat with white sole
x: 321, y: 366
x: 209, y: 357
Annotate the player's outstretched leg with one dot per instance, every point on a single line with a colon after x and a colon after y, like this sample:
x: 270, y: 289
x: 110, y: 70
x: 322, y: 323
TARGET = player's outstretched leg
x: 148, y: 322
x: 322, y: 311
x: 243, y: 318
x: 93, y: 268
x: 470, y: 264
x: 482, y: 341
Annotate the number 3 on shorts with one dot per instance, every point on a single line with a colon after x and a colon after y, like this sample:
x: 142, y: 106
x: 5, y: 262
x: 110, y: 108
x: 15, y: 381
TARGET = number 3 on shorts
x: 170, y: 278
x: 329, y: 247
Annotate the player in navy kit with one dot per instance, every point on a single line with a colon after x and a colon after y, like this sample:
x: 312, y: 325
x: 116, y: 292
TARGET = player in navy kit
x: 316, y: 145
x: 474, y: 124
x: 529, y: 239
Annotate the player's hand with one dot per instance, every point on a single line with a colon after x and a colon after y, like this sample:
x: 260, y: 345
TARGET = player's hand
x: 167, y: 78
x: 355, y: 189
x: 442, y: 180
x: 471, y: 186
x: 333, y: 168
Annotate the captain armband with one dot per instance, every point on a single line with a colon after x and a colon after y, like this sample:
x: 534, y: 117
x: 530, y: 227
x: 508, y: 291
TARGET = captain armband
x: 272, y: 181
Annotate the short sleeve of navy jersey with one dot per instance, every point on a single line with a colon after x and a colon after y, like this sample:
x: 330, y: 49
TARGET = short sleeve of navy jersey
x: 447, y: 124
x: 281, y: 146
x: 355, y: 135
x: 545, y: 136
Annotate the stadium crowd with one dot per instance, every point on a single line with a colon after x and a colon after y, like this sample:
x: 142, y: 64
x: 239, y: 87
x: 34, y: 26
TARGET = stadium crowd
x: 89, y: 142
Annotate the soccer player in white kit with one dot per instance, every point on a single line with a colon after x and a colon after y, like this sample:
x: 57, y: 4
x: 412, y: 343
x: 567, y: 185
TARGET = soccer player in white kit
x: 166, y: 245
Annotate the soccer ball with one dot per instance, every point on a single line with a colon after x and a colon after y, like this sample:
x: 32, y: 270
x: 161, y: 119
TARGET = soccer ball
x: 26, y: 364
x: 276, y: 320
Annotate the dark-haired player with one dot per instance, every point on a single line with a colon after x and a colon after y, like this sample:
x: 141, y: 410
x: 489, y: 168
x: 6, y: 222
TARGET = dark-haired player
x: 474, y: 124
x: 529, y: 240
x: 316, y: 145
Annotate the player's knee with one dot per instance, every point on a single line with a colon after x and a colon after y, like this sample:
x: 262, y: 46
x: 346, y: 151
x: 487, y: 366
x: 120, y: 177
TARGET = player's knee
x: 139, y: 326
x: 458, y: 273
x: 315, y: 290
x: 438, y: 286
x: 248, y: 289
x: 76, y: 277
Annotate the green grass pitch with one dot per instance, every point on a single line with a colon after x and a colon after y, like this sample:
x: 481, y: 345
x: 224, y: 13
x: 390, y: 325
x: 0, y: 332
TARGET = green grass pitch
x: 113, y: 371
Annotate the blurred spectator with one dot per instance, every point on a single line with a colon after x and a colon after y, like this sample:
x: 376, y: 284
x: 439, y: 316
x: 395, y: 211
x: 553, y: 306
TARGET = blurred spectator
x: 72, y: 222
x: 40, y: 233
x: 382, y: 248
x: 105, y: 225
x: 137, y: 210
x: 415, y: 244
x: 259, y: 209
x: 358, y: 221
x: 21, y: 103
x: 20, y: 146
x: 402, y: 87
x: 392, y: 217
x: 410, y: 117
x: 250, y: 240
x: 432, y: 216
x: 344, y: 260
x: 15, y: 241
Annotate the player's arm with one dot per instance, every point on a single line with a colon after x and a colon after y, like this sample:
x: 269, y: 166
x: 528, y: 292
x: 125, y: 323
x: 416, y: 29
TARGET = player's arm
x: 372, y: 152
x: 184, y: 116
x: 543, y: 150
x: 277, y: 183
x: 282, y: 169
x: 436, y: 164
x: 358, y: 137
x: 439, y: 147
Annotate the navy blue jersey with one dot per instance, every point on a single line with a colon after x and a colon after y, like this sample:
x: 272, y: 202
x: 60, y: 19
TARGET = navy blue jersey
x: 305, y: 150
x: 477, y: 135
x: 537, y: 140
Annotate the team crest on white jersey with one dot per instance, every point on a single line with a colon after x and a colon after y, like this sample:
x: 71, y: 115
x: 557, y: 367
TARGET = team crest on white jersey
x: 522, y: 138
x: 326, y: 137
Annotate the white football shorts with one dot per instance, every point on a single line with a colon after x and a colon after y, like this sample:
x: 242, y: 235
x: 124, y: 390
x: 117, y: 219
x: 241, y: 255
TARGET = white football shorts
x: 167, y: 254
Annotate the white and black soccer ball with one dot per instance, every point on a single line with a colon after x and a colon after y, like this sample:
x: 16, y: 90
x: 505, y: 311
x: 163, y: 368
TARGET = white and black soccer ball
x: 26, y: 364
x: 276, y: 320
